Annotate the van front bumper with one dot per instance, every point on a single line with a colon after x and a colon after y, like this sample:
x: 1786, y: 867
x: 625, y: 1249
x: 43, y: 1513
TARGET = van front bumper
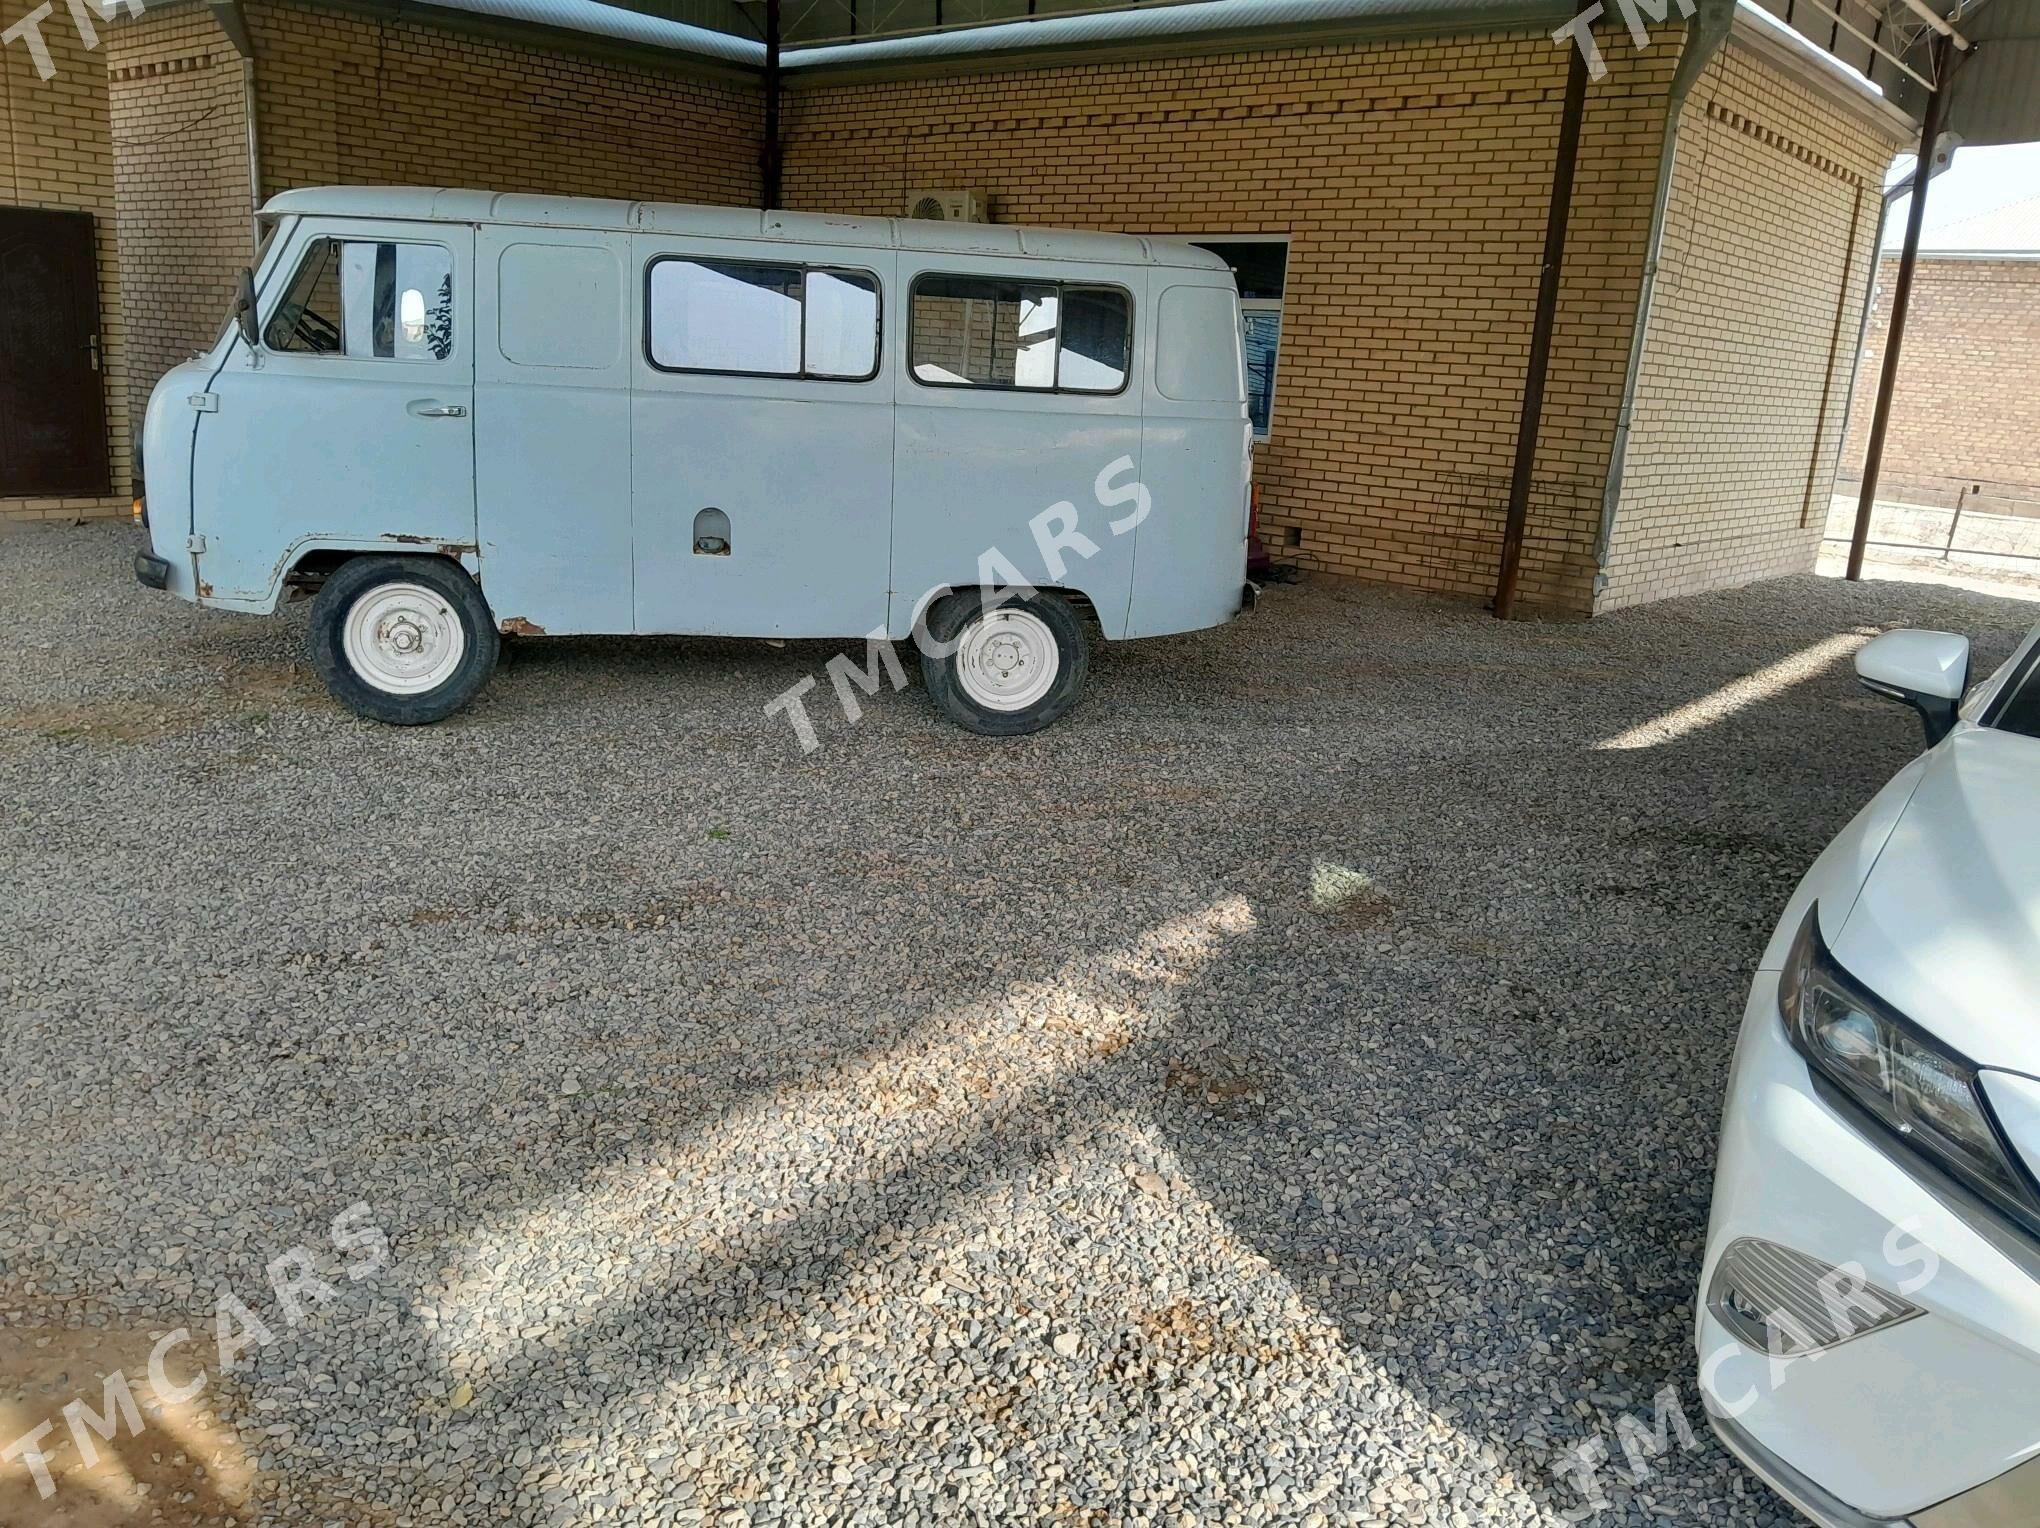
x: 1933, y: 1421
x: 151, y: 571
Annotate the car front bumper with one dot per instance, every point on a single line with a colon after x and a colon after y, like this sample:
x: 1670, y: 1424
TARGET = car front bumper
x: 1931, y: 1421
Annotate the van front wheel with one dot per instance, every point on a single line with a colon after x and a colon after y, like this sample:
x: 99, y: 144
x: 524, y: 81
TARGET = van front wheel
x: 1008, y: 670
x: 405, y: 640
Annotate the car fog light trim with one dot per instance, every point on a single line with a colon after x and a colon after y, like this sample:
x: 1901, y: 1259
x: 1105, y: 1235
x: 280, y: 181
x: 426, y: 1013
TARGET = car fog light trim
x: 1789, y: 1303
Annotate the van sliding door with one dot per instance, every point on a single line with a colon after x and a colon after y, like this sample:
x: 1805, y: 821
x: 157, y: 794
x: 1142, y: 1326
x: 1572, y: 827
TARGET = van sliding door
x: 552, y: 428
x: 762, y: 449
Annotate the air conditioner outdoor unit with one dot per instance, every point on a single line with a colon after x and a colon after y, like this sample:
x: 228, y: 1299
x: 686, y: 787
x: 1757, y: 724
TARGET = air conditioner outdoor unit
x: 948, y: 206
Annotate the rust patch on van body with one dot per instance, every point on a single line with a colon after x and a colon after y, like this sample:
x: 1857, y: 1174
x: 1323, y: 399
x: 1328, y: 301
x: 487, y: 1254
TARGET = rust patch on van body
x: 445, y: 548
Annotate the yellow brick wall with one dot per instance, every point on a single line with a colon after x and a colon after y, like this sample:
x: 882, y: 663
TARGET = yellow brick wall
x: 348, y: 100
x: 59, y: 154
x: 181, y: 173
x: 1769, y: 232
x: 344, y: 99
x: 1412, y: 179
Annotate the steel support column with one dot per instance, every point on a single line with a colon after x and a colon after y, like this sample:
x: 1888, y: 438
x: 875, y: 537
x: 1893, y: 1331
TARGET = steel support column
x: 772, y: 158
x: 1555, y: 223
x: 1945, y: 57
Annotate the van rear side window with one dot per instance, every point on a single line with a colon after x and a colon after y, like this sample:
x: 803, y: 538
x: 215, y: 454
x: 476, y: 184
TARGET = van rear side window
x: 752, y: 319
x: 1028, y: 336
x: 367, y: 300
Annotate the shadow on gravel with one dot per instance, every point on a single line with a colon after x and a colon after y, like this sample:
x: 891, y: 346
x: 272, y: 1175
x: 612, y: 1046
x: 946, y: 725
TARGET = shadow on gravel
x: 1316, y: 1011
x: 1456, y: 1075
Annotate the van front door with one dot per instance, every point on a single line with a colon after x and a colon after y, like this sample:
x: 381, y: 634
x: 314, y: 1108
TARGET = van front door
x: 351, y: 424
x: 761, y: 440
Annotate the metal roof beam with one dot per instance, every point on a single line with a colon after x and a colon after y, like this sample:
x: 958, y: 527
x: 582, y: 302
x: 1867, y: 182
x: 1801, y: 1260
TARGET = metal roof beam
x: 1938, y: 22
x: 1150, y: 25
x: 1831, y: 10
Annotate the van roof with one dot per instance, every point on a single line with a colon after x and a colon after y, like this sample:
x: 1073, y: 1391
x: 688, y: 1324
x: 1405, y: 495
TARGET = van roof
x: 454, y: 206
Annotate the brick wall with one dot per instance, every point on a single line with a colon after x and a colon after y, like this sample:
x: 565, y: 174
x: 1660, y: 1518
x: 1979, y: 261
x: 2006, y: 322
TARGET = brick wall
x: 1740, y: 399
x: 180, y: 130
x: 344, y: 99
x: 1412, y: 179
x: 347, y: 100
x: 1967, y: 409
x: 59, y: 154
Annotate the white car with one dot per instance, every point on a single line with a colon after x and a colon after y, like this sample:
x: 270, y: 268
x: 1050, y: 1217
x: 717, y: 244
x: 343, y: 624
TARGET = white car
x: 1868, y: 1330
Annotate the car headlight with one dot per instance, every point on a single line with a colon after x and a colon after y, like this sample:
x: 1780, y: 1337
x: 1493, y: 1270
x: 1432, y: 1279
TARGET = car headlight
x: 1908, y: 1082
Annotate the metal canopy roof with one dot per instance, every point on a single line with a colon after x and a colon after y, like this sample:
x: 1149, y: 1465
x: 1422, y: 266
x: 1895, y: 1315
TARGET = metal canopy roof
x: 1996, y: 97
x: 1995, y: 89
x: 618, y: 24
x: 1891, y: 47
x: 1188, y: 18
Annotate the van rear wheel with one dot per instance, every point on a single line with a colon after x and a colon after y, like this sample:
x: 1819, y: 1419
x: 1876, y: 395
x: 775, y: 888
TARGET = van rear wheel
x: 1005, y: 671
x: 404, y: 640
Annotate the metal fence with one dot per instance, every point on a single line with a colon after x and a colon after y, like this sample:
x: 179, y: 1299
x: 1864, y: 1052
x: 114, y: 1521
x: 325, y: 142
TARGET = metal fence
x: 1993, y: 525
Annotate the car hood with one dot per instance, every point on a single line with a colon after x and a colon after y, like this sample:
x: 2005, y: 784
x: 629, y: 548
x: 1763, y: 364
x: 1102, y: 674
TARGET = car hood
x: 1947, y: 926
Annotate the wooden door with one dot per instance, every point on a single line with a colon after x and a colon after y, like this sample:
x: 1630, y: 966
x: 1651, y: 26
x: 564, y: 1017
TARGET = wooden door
x: 52, y: 397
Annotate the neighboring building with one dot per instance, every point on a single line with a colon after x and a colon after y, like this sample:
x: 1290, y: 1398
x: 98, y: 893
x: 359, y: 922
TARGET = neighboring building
x: 1965, y: 419
x: 1381, y: 185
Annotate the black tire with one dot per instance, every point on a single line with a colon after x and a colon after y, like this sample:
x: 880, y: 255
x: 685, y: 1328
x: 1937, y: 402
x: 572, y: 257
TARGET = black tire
x: 948, y: 628
x: 349, y: 584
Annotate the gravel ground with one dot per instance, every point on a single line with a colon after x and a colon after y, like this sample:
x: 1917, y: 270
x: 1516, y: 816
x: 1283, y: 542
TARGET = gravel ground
x: 1284, y: 1092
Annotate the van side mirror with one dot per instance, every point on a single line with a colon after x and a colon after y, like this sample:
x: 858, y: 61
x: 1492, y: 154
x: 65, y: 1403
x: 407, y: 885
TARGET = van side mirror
x: 244, y: 307
x: 1927, y: 670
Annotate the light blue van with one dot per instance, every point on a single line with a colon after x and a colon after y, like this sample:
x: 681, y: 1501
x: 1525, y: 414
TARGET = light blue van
x: 454, y: 415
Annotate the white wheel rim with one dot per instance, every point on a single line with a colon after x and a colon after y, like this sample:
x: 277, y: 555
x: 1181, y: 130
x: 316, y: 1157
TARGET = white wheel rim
x: 1007, y: 660
x: 403, y: 639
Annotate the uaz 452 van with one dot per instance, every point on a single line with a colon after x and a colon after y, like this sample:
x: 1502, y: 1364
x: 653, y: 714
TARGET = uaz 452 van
x: 455, y: 414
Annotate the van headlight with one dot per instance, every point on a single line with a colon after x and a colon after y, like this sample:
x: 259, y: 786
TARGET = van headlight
x: 1909, y: 1083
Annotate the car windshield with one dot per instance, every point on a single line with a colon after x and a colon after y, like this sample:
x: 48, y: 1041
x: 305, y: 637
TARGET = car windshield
x: 2016, y: 707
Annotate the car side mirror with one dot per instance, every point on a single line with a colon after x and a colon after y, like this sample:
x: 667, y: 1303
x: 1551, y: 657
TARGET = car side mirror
x: 244, y: 307
x: 1927, y: 670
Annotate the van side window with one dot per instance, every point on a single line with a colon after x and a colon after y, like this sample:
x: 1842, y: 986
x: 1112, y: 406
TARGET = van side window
x: 842, y: 325
x: 1097, y: 333
x: 368, y: 300
x: 755, y: 319
x: 1032, y: 336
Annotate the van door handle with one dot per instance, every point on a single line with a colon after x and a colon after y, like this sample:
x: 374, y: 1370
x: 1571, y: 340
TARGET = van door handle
x: 428, y: 408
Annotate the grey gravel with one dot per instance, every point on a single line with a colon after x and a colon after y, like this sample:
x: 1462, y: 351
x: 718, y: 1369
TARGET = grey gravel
x: 927, y: 1129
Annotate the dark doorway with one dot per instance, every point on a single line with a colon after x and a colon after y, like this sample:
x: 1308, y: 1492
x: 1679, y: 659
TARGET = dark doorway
x: 52, y: 402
